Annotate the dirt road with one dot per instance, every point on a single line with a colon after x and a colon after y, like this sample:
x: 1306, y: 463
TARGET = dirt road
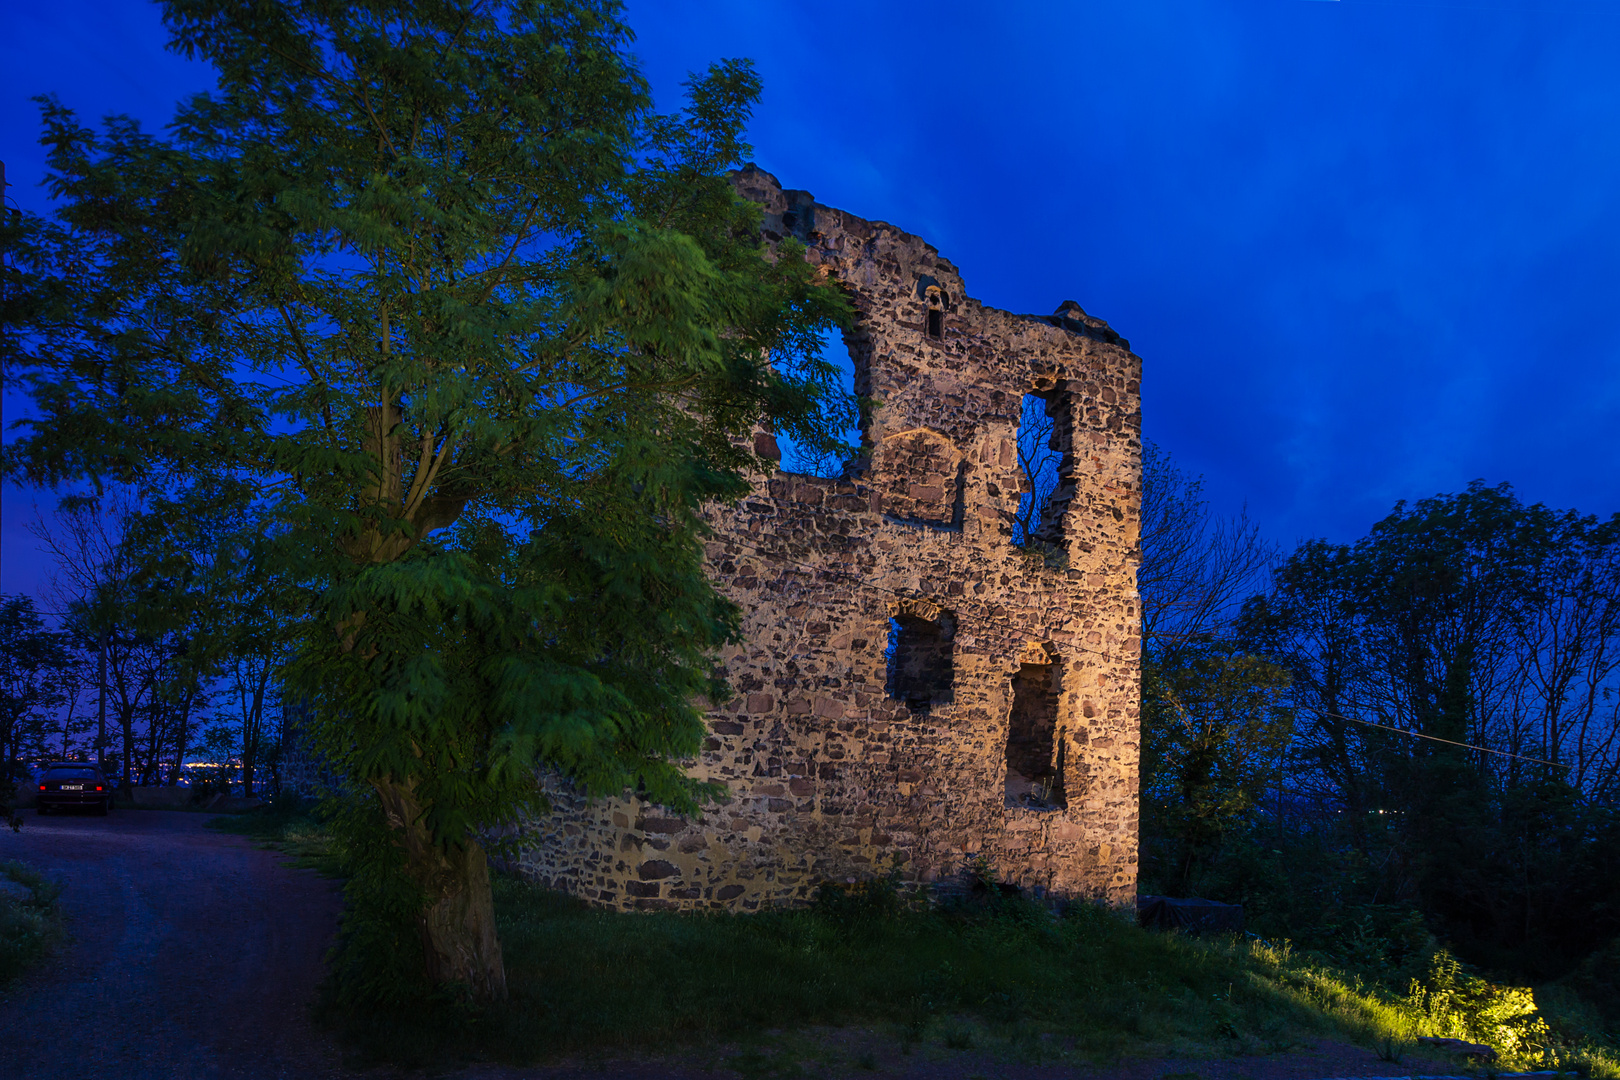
x: 193, y: 955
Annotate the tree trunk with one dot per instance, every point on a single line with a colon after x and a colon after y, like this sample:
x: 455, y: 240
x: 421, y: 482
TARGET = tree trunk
x: 252, y: 728
x: 182, y: 737
x: 459, y: 944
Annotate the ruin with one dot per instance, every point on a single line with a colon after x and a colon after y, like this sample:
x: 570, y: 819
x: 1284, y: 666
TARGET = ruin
x: 912, y: 683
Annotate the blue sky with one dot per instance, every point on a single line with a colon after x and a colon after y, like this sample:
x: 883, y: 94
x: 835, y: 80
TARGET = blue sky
x: 1368, y: 251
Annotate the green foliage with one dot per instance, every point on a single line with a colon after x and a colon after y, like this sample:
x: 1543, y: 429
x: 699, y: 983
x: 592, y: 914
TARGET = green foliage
x: 377, y: 965
x: 858, y: 905
x: 29, y: 926
x: 1469, y: 617
x: 1042, y: 555
x: 1478, y: 619
x: 1458, y: 1003
x: 1214, y: 727
x: 470, y: 334
x: 1597, y: 980
x: 987, y: 975
x: 292, y: 825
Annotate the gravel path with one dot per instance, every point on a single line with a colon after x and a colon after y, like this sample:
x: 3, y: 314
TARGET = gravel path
x: 193, y: 955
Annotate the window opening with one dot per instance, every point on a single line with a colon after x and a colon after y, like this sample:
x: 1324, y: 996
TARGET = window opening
x: 919, y: 662
x: 833, y: 367
x: 1040, y: 457
x: 1034, y: 751
x: 936, y: 312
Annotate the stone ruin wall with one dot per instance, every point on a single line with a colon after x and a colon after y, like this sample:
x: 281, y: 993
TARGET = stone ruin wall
x: 836, y: 765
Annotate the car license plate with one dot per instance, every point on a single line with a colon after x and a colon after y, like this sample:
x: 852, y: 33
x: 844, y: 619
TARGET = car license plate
x: 72, y: 787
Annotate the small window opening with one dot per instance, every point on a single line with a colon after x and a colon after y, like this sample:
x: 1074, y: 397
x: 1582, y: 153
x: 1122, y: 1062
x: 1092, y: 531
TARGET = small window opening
x: 1040, y: 457
x: 1034, y: 751
x: 936, y: 312
x: 919, y: 662
x: 832, y: 369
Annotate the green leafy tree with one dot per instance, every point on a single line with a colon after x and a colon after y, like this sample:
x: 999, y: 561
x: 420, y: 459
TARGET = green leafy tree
x: 1474, y: 619
x: 1214, y: 730
x: 477, y: 334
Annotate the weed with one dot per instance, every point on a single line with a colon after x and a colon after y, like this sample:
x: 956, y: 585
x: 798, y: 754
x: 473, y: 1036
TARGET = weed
x: 867, y: 1060
x: 855, y: 906
x: 293, y: 826
x: 958, y: 1036
x: 29, y: 924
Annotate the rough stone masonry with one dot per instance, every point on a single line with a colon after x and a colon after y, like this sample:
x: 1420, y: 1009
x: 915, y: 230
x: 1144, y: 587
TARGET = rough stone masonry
x: 912, y: 683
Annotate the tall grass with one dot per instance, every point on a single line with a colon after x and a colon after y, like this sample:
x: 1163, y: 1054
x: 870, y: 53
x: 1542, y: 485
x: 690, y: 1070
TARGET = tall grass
x: 990, y: 968
x: 290, y: 825
x: 30, y: 923
x: 583, y: 980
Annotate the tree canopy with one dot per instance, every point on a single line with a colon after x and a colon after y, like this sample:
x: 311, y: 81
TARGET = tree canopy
x: 466, y: 334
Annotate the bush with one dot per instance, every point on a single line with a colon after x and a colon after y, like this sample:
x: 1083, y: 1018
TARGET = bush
x: 1460, y: 1004
x: 1597, y: 980
x: 859, y: 904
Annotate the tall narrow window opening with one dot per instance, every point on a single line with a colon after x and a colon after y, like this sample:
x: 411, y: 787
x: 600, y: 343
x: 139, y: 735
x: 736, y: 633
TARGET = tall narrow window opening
x: 936, y: 312
x: 832, y: 366
x: 1034, y: 751
x: 919, y: 661
x: 1041, y: 438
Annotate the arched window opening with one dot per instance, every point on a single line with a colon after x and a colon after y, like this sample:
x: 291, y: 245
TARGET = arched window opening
x: 1034, y: 750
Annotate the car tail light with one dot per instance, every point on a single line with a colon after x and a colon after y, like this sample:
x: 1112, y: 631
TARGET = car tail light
x: 42, y: 787
x: 98, y: 787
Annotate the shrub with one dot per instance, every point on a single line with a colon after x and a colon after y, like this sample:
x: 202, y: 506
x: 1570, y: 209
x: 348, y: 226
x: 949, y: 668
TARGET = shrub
x: 1460, y: 1004
x: 29, y: 925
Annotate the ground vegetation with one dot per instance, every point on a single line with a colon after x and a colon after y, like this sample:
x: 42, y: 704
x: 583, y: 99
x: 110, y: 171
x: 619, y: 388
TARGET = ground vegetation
x: 1417, y: 763
x: 30, y: 920
x: 430, y: 299
x: 986, y: 970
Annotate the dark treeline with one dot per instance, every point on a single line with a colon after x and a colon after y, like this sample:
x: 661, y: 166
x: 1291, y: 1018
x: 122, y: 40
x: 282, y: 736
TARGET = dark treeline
x: 165, y: 646
x: 1482, y: 636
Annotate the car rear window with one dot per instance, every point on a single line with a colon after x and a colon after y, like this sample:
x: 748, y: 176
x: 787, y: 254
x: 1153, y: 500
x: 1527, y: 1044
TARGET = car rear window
x: 70, y: 774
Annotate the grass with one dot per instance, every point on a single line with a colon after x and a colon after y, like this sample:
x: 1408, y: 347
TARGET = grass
x: 291, y: 826
x: 1005, y: 978
x: 29, y: 925
x: 993, y: 975
x: 573, y: 970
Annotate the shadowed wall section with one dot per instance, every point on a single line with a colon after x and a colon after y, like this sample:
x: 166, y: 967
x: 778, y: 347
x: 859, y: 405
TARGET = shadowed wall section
x: 911, y: 684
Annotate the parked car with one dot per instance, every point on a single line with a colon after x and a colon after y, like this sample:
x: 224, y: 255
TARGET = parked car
x: 66, y: 784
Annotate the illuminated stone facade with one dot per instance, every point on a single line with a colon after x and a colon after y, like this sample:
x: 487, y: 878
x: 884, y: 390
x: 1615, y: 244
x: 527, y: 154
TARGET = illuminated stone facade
x: 912, y: 684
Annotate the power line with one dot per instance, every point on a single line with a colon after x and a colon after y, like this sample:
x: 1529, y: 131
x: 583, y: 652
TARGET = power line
x: 1448, y: 742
